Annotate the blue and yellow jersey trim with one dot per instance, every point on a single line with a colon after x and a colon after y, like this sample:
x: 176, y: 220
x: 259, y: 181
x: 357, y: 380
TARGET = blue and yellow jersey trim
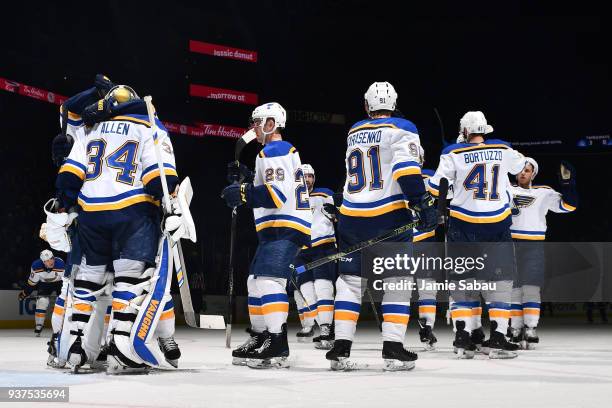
x: 406, y: 168
x: 151, y: 172
x: 565, y: 207
x: 469, y: 147
x: 390, y: 123
x: 432, y: 188
x: 375, y: 208
x: 73, y: 118
x: 420, y: 236
x: 277, y: 196
x: 282, y: 221
x: 321, y: 192
x: 138, y: 119
x: 480, y: 217
x: 528, y: 235
x: 277, y: 148
x: 326, y: 239
x: 118, y: 202
x: 74, y: 167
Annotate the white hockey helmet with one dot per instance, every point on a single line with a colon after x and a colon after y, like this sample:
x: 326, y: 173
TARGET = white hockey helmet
x: 46, y: 255
x: 307, y: 169
x: 270, y: 110
x: 529, y: 160
x: 474, y: 122
x: 380, y: 96
x: 120, y: 94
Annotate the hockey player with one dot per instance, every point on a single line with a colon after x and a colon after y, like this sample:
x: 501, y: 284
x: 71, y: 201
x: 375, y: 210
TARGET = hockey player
x: 480, y: 212
x: 383, y: 181
x: 317, y: 285
x: 46, y: 275
x: 112, y: 174
x: 427, y: 295
x: 279, y: 199
x: 531, y: 203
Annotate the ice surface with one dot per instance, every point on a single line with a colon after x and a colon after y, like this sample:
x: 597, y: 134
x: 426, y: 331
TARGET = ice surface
x: 571, y: 368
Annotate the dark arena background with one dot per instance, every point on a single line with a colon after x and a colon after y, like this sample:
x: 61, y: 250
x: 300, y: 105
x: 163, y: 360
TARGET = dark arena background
x: 540, y: 73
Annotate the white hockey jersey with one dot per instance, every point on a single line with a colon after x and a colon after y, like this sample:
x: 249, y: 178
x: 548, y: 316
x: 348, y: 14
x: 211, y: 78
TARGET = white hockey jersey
x: 278, y: 167
x: 40, y: 273
x: 322, y: 229
x: 532, y: 205
x: 115, y: 160
x: 379, y: 151
x: 478, y: 174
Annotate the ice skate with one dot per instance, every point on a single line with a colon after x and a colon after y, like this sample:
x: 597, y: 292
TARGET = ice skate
x: 477, y: 338
x: 325, y: 340
x: 239, y: 354
x: 428, y: 339
x: 119, y: 364
x: 396, y: 357
x: 463, y: 343
x: 339, y: 357
x: 37, y: 330
x: 516, y: 336
x: 305, y: 334
x: 530, y: 337
x: 171, y: 351
x: 272, y: 353
x: 499, y: 348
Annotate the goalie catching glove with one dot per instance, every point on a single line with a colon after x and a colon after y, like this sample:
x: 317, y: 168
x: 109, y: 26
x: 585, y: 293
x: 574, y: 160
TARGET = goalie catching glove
x: 54, y: 231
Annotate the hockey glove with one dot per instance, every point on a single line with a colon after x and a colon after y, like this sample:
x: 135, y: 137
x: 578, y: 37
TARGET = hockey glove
x: 331, y: 209
x: 97, y: 112
x: 22, y: 295
x: 103, y: 84
x: 54, y: 230
x: 566, y: 174
x: 426, y: 211
x: 60, y: 148
x: 235, y: 194
x: 238, y: 172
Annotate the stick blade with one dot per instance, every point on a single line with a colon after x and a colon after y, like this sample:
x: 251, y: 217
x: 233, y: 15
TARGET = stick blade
x: 213, y: 322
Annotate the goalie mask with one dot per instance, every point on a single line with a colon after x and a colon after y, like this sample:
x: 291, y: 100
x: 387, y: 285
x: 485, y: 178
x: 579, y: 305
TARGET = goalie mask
x: 380, y: 96
x: 121, y: 94
x: 266, y: 111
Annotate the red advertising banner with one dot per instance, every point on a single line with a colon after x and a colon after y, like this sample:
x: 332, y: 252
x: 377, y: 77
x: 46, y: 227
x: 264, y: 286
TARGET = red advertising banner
x: 201, y: 130
x: 32, y: 92
x: 226, y: 95
x: 217, y: 50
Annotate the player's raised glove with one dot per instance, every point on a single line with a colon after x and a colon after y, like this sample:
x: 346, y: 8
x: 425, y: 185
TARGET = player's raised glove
x: 426, y: 211
x: 236, y: 194
x: 103, y: 84
x: 566, y: 174
x: 22, y: 295
x: 54, y: 230
x: 238, y: 172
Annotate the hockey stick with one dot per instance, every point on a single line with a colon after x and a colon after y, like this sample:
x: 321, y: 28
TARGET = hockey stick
x: 374, y: 310
x: 443, y: 220
x: 357, y: 247
x: 192, y: 320
x: 245, y: 139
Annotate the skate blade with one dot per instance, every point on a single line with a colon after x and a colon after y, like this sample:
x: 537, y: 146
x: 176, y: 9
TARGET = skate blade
x: 324, y: 345
x: 263, y: 364
x: 397, y: 365
x: 427, y: 346
x: 303, y: 339
x: 496, y: 354
x: 173, y: 363
x: 239, y: 361
x: 344, y: 364
x: 464, y: 354
x: 484, y: 350
x: 531, y: 346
